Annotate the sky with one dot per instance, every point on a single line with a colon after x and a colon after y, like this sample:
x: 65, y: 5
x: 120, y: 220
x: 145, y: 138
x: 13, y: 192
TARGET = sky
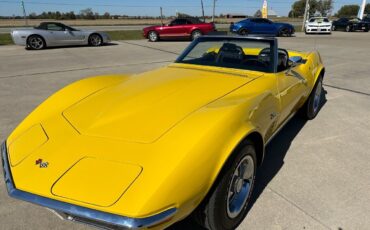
x: 151, y: 7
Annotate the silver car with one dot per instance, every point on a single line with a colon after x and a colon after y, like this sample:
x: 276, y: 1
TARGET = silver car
x: 49, y: 34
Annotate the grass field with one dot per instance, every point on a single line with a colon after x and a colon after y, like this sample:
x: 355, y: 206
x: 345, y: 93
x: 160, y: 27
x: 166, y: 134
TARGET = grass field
x: 5, y: 39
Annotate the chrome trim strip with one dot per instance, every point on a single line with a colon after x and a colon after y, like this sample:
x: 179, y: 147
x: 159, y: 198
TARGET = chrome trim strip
x: 75, y: 211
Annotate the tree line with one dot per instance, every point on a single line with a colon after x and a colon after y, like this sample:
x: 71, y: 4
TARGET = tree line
x: 324, y: 8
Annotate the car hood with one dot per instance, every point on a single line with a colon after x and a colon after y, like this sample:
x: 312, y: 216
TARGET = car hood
x: 146, y: 106
x: 319, y: 23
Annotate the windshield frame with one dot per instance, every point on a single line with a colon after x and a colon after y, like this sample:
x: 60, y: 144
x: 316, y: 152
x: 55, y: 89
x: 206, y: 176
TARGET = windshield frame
x: 271, y: 40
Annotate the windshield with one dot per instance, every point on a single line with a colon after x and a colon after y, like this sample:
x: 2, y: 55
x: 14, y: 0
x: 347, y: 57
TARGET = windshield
x: 319, y: 20
x: 244, y: 54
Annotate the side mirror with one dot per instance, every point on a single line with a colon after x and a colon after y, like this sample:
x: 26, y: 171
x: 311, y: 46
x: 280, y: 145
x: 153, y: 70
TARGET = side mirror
x: 295, y: 60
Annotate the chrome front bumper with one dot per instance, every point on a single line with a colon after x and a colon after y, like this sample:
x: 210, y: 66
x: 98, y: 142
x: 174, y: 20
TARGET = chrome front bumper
x: 77, y: 213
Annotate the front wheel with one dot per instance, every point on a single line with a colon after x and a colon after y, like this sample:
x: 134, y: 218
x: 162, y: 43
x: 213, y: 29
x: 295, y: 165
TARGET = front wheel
x: 333, y: 28
x: 95, y: 40
x: 284, y: 33
x: 153, y: 36
x: 227, y: 204
x: 312, y: 106
x: 348, y: 29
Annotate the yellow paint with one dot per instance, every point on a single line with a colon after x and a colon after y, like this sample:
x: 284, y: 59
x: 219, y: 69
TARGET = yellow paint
x: 179, y: 123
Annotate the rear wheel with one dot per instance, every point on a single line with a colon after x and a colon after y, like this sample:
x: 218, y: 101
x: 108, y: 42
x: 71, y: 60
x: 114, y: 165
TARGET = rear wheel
x: 312, y: 106
x: 153, y: 36
x: 36, y: 42
x: 196, y: 34
x: 227, y: 203
x: 95, y: 40
x: 333, y: 28
x: 348, y: 28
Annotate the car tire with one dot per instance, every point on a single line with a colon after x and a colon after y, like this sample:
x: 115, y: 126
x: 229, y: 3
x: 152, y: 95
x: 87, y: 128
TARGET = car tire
x: 348, y: 28
x: 243, y: 32
x: 153, y: 36
x: 95, y: 40
x: 284, y: 32
x: 196, y: 34
x: 333, y: 28
x: 313, y: 104
x: 225, y: 207
x: 36, y: 42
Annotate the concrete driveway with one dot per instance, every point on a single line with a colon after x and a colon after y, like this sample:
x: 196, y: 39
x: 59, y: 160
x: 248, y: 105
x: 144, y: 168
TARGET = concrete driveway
x: 316, y: 174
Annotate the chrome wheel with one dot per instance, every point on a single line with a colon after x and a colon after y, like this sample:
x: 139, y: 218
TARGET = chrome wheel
x: 153, y: 36
x: 95, y: 40
x: 196, y: 34
x: 317, y: 97
x: 240, y: 187
x: 36, y: 42
x: 348, y: 28
x: 333, y: 28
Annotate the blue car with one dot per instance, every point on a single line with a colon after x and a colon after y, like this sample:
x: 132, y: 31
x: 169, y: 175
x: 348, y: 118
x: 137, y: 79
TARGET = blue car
x: 261, y: 26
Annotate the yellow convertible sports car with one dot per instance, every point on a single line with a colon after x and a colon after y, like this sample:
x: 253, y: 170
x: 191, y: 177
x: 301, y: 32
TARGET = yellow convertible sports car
x: 148, y: 150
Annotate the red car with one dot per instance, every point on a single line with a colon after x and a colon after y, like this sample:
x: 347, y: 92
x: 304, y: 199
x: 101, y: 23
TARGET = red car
x: 179, y: 28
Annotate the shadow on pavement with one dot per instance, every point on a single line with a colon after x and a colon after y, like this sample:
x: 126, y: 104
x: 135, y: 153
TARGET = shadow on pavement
x: 72, y: 46
x: 276, y: 151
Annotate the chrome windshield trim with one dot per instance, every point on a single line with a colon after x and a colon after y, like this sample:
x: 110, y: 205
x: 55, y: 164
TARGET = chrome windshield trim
x: 78, y: 211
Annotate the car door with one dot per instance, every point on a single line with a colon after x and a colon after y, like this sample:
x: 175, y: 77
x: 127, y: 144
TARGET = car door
x: 255, y: 26
x: 175, y: 29
x: 59, y: 34
x: 342, y: 23
x: 266, y: 26
x: 292, y: 87
x: 75, y: 37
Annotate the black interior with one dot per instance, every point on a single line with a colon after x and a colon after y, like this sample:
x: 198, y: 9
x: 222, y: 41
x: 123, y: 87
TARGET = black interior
x: 231, y: 55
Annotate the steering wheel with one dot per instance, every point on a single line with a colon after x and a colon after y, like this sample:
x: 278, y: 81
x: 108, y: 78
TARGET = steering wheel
x: 230, y: 49
x: 283, y: 55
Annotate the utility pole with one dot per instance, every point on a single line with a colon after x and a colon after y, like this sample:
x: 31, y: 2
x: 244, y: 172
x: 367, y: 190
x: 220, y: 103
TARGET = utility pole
x: 214, y: 10
x: 204, y: 19
x: 306, y: 11
x: 161, y: 16
x: 362, y: 10
x: 24, y: 13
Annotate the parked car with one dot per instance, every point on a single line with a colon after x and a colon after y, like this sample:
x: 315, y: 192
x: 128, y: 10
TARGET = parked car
x: 350, y: 25
x: 318, y: 25
x: 261, y: 26
x: 144, y: 151
x: 49, y: 34
x: 189, y: 28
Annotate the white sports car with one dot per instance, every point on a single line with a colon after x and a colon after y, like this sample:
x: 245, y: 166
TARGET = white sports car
x: 318, y: 25
x: 49, y: 34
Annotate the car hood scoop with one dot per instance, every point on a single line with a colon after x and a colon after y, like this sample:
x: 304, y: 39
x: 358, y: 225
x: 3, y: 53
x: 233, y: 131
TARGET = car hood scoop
x: 144, y: 107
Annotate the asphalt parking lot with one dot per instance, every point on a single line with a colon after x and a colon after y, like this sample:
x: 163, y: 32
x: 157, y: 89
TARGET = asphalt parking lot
x: 316, y: 174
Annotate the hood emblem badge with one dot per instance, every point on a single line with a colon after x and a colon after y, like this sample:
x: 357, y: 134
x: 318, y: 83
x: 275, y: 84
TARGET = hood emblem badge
x: 42, y: 164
